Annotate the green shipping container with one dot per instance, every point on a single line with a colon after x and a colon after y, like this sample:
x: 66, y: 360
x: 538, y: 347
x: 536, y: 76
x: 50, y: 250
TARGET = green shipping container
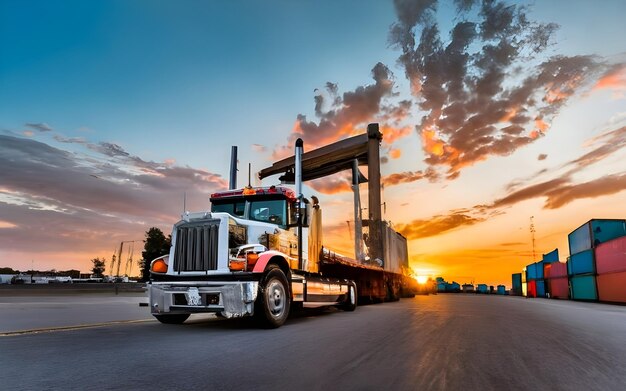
x: 583, y: 288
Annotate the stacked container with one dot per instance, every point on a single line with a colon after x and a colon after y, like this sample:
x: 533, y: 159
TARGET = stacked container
x: 557, y: 283
x: 534, y: 277
x: 581, y: 265
x: 611, y: 269
x: 524, y: 283
x: 516, y: 284
x: 555, y: 276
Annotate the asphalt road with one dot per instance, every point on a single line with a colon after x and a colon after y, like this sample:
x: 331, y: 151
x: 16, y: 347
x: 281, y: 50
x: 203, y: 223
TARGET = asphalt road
x: 441, y: 342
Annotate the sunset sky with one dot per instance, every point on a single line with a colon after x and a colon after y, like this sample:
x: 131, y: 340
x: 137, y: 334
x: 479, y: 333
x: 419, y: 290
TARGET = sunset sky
x: 111, y: 111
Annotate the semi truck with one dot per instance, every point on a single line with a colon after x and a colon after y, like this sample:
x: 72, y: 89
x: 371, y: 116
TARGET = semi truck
x: 258, y: 251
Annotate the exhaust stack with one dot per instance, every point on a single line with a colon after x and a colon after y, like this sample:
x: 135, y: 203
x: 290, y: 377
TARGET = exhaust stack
x: 299, y: 214
x: 233, y: 168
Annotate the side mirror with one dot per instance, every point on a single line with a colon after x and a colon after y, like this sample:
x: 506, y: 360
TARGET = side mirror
x: 306, y: 215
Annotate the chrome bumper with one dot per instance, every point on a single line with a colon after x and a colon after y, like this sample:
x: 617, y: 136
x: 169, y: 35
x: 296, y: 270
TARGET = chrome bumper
x: 231, y: 299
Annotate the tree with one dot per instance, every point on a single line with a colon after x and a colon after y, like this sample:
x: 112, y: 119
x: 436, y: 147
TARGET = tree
x: 156, y: 244
x: 98, y: 267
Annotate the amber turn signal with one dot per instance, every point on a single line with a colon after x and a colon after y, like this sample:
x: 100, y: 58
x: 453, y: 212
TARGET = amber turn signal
x: 159, y: 266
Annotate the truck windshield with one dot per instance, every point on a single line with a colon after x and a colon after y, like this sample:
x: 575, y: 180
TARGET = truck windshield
x: 236, y: 209
x: 271, y: 211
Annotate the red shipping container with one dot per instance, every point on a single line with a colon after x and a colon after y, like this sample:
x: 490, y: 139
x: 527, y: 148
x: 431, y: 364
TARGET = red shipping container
x: 612, y: 287
x: 558, y: 288
x: 532, y: 289
x: 611, y: 256
x: 555, y: 270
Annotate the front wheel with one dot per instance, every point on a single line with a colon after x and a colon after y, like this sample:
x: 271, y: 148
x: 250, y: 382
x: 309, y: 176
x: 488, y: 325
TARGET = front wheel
x: 172, y: 318
x: 272, y: 305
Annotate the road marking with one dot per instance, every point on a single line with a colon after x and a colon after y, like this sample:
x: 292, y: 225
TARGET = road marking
x: 70, y: 328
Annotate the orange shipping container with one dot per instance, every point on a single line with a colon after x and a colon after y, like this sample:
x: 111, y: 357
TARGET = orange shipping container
x: 612, y: 287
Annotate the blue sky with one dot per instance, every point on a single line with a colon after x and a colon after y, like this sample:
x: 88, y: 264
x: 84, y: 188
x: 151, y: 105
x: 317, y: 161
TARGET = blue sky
x: 111, y: 110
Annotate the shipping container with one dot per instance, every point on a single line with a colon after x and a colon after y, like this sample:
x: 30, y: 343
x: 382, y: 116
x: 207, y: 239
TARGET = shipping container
x: 558, y: 288
x: 594, y: 232
x: 482, y: 288
x: 516, y: 284
x: 524, y: 279
x: 501, y: 290
x: 554, y: 270
x: 539, y: 270
x: 583, y: 288
x: 612, y: 287
x: 531, y: 272
x: 552, y: 256
x: 581, y: 263
x: 541, y: 288
x: 532, y: 288
x: 525, y: 289
x: 611, y: 256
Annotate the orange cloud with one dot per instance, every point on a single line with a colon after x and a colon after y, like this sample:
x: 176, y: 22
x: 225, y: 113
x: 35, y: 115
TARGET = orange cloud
x: 392, y: 134
x: 395, y: 153
x: 614, y: 79
x: 331, y: 185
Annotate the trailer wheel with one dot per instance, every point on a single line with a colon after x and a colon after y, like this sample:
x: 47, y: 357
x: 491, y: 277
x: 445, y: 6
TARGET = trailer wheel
x: 273, y: 302
x: 351, y: 298
x: 172, y: 318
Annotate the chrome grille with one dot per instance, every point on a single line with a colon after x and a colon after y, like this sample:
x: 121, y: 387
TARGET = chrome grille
x: 196, y: 247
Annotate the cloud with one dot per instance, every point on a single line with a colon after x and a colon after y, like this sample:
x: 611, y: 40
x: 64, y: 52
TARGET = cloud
x: 436, y: 225
x: 340, y: 117
x: 482, y: 92
x: 409, y: 176
x: 607, y: 185
x: 609, y: 143
x: 542, y: 156
x: 42, y: 127
x: 57, y: 198
x: 613, y: 79
x: 339, y: 183
x: 259, y: 148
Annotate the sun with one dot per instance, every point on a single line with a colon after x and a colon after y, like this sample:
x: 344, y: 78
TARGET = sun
x: 421, y: 279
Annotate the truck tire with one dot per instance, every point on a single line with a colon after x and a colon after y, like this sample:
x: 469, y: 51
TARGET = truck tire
x: 172, y: 318
x: 351, y: 298
x: 273, y: 302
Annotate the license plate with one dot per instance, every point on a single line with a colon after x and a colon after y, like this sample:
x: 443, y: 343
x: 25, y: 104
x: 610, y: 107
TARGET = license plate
x: 193, y: 297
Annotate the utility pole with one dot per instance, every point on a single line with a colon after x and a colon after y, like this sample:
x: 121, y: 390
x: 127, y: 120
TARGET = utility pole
x: 532, y: 234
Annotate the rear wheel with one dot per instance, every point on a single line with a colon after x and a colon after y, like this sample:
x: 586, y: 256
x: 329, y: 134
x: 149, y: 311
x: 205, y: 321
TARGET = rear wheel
x: 172, y: 318
x: 272, y: 305
x: 351, y: 302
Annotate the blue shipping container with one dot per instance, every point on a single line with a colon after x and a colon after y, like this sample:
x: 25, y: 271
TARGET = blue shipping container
x: 581, y: 263
x: 531, y: 272
x: 539, y: 270
x: 551, y: 257
x: 594, y: 232
x: 502, y: 289
x: 541, y: 288
x: 583, y: 288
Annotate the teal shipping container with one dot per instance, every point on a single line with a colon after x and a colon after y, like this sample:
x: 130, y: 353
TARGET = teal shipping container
x: 541, y: 288
x: 539, y: 270
x: 581, y: 263
x: 583, y: 288
x: 594, y: 232
x: 502, y: 290
x: 516, y: 283
x: 551, y: 257
x: 482, y: 288
x: 531, y: 272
